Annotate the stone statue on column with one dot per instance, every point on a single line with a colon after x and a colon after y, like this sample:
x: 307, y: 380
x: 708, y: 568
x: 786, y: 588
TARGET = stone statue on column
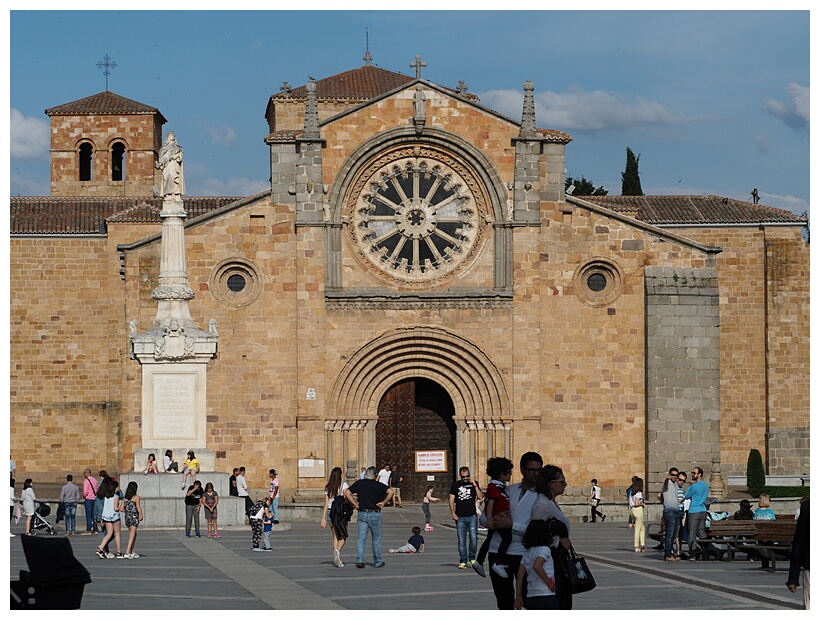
x: 170, y: 162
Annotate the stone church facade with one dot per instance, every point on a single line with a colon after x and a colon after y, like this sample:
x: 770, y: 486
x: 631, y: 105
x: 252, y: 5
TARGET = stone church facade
x: 415, y: 280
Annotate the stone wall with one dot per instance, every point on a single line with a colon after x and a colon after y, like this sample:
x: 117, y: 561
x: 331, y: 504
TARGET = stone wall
x: 764, y: 348
x: 682, y: 369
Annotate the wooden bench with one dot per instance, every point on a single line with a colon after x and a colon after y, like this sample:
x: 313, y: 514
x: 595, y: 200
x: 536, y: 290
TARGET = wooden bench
x: 730, y: 533
x: 772, y: 541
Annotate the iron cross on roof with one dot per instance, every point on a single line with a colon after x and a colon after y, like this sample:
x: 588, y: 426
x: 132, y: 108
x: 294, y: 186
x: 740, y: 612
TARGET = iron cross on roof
x: 418, y: 65
x: 107, y: 63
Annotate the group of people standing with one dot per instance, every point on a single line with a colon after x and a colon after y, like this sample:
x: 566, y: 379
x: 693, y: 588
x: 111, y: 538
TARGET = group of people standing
x: 682, y: 510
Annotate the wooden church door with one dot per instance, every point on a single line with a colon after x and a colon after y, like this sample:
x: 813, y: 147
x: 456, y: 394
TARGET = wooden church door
x: 416, y: 414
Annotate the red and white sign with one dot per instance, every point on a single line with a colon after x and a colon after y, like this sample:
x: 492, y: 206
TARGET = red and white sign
x: 431, y: 460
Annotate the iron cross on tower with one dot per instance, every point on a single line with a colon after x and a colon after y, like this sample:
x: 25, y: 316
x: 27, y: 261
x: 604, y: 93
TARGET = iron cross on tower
x: 418, y: 65
x: 108, y: 64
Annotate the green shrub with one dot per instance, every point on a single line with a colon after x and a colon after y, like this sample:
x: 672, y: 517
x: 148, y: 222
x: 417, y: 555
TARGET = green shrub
x: 755, y: 474
x: 787, y: 491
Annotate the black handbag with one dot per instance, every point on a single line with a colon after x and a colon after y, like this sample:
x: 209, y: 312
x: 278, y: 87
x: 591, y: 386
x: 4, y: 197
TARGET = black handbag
x: 580, y: 577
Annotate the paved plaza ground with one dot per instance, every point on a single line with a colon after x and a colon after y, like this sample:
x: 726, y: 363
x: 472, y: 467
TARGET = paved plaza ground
x: 176, y: 573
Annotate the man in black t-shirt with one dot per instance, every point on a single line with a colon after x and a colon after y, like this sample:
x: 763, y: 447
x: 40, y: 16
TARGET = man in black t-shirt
x: 372, y: 496
x: 395, y: 484
x: 193, y: 498
x: 232, y: 483
x: 463, y: 495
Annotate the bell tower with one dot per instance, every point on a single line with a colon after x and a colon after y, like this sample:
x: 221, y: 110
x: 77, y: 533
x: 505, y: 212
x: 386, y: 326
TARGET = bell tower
x: 104, y: 145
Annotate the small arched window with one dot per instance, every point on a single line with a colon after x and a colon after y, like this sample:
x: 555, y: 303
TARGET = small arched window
x: 118, y: 162
x: 86, y: 158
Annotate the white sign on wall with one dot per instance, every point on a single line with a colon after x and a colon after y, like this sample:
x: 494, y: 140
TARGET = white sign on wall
x: 431, y: 460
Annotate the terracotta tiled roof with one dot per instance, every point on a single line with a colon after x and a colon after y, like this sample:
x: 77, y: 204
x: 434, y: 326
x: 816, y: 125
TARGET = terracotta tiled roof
x: 283, y: 136
x: 553, y: 135
x: 363, y: 83
x: 51, y: 215
x: 105, y: 102
x: 694, y: 210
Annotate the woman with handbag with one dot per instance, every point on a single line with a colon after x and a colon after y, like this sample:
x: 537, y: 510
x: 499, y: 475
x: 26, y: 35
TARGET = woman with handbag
x: 637, y: 511
x: 551, y: 483
x: 335, y: 488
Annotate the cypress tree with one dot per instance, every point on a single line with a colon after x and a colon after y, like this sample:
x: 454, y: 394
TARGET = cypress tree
x: 630, y: 178
x: 755, y: 474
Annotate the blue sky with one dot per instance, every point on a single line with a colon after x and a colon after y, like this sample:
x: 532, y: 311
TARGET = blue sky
x: 715, y: 102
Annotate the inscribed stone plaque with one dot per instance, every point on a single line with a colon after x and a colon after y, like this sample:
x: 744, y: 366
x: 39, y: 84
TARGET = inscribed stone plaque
x: 174, y: 400
x: 173, y: 405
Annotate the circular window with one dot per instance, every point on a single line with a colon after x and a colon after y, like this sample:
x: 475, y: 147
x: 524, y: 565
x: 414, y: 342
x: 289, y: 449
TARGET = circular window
x: 417, y: 215
x: 597, y: 282
x: 235, y: 283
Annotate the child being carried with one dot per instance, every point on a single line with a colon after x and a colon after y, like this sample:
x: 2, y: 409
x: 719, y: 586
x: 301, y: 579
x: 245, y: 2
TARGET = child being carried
x: 499, y: 470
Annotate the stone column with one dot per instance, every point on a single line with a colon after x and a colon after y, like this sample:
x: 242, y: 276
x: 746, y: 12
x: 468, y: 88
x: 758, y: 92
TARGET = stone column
x: 173, y: 353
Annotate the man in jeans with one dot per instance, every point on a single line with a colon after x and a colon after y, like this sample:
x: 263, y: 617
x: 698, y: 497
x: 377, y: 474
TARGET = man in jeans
x: 696, y: 520
x: 372, y: 496
x: 671, y: 513
x: 89, y: 496
x: 463, y: 495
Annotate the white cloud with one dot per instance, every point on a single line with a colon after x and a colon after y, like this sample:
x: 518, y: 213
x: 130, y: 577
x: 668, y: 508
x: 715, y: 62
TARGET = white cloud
x: 789, y: 203
x: 229, y: 187
x: 29, y: 136
x: 224, y: 135
x: 578, y: 109
x: 795, y: 113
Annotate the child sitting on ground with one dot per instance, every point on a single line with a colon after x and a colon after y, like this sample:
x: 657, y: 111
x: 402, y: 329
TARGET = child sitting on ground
x: 537, y: 568
x: 415, y: 544
x: 500, y: 471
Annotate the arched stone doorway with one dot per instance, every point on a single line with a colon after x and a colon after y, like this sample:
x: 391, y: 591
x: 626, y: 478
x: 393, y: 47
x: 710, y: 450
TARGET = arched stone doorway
x: 416, y: 414
x: 473, y: 384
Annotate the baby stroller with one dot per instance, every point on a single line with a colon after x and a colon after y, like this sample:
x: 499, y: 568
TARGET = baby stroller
x: 38, y: 521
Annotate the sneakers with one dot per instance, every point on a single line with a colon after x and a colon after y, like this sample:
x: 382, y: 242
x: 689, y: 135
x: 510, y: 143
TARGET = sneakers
x: 481, y: 528
x: 208, y: 535
x: 500, y: 570
x: 477, y: 567
x: 336, y: 559
x: 132, y: 556
x: 380, y: 565
x: 257, y: 549
x: 393, y: 550
x: 198, y: 536
x: 341, y: 564
x: 603, y: 518
x: 359, y: 564
x: 120, y: 555
x: 109, y: 556
x: 462, y: 566
x: 86, y: 534
x: 100, y: 553
x: 672, y: 558
x: 187, y: 534
x: 217, y: 535
x: 428, y: 528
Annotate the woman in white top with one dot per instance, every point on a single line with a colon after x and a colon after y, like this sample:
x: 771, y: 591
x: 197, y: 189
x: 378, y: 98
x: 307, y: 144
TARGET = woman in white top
x: 334, y: 488
x: 551, y: 483
x: 112, y: 505
x: 637, y: 510
x: 29, y: 504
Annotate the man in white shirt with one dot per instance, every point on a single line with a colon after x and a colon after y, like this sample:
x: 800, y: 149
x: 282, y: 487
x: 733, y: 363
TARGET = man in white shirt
x: 242, y: 489
x: 384, y: 475
x: 522, y: 499
x: 594, y: 500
